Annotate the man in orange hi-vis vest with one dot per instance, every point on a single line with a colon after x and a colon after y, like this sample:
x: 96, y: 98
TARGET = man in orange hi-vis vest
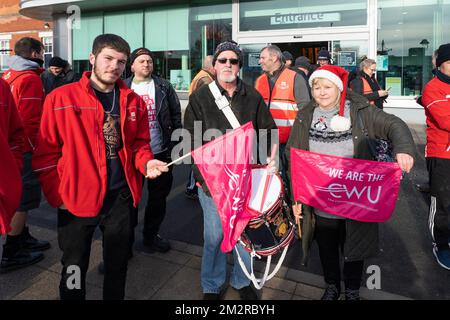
x: 284, y: 91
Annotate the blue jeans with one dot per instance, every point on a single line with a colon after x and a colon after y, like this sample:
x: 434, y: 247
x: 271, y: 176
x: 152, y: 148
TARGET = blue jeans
x: 214, y: 261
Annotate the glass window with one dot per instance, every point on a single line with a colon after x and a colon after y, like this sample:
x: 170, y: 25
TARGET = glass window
x: 289, y: 14
x: 48, y: 49
x: 348, y: 53
x: 409, y: 32
x: 91, y: 25
x: 128, y: 25
x: 4, y: 54
x: 179, y: 36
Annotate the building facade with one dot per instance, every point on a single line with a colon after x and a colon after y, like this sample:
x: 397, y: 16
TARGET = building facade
x: 14, y: 26
x: 400, y: 35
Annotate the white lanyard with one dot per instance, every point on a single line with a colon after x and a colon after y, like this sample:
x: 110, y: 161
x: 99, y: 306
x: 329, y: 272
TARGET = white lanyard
x: 223, y: 104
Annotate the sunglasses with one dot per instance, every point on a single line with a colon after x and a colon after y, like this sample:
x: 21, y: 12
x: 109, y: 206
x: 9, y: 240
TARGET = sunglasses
x: 232, y: 61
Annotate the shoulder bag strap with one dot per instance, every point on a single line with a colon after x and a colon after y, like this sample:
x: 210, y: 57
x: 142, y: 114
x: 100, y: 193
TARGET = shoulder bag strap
x: 223, y: 105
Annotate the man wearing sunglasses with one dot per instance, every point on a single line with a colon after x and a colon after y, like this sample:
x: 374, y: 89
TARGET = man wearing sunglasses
x: 247, y: 105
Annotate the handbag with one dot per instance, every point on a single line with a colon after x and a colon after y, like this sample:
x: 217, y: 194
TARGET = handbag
x: 380, y: 149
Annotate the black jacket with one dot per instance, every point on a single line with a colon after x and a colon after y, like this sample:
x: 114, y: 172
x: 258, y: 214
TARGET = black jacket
x: 246, y: 103
x: 51, y: 82
x: 357, y: 86
x: 361, y: 237
x: 168, y: 109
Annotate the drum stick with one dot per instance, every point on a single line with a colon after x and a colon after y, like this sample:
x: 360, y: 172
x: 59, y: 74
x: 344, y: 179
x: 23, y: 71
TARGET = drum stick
x: 268, y: 176
x: 175, y: 161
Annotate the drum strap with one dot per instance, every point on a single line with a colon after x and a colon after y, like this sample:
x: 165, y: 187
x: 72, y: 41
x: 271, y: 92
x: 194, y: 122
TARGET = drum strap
x: 224, y: 105
x: 259, y: 283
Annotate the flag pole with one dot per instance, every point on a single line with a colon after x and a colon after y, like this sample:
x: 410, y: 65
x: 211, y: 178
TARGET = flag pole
x: 175, y: 161
x: 179, y: 159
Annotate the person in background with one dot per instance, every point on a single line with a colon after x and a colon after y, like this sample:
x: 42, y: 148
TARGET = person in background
x: 323, y: 58
x: 436, y: 101
x: 11, y: 149
x: 288, y: 59
x: 21, y: 249
x: 57, y: 74
x: 53, y: 77
x: 367, y: 85
x: 204, y: 77
x: 303, y: 67
x: 285, y: 92
x: 164, y: 116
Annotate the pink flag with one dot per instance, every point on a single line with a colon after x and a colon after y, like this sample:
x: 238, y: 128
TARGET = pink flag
x: 357, y: 189
x: 225, y: 165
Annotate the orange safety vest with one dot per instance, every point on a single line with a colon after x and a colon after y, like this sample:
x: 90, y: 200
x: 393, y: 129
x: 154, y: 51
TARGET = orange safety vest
x: 367, y: 89
x: 281, y: 101
x: 200, y: 75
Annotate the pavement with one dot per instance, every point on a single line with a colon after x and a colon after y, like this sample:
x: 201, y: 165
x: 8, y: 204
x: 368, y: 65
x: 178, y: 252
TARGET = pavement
x: 174, y: 275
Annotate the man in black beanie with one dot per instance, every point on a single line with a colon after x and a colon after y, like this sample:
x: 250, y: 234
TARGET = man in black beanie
x: 54, y: 76
x: 323, y: 57
x: 436, y: 101
x: 247, y: 105
x: 288, y: 59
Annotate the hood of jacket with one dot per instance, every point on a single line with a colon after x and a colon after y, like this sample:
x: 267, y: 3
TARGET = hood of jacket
x: 17, y: 63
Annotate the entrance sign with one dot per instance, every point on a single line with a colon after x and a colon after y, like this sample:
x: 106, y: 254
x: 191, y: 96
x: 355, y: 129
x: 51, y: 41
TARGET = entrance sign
x: 294, y: 18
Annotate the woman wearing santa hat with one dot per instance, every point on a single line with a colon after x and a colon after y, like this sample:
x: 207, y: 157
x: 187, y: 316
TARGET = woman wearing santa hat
x: 329, y: 125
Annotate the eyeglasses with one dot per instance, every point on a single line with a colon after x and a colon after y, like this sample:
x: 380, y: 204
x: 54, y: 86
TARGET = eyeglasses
x: 374, y: 70
x: 224, y: 60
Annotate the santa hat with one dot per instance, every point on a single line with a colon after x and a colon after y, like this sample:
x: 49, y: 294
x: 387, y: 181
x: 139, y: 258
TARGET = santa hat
x: 339, y: 77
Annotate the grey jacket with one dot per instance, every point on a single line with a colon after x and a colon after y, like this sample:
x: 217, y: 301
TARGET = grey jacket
x: 361, y: 237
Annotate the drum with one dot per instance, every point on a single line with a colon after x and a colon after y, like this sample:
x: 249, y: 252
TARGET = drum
x: 272, y: 230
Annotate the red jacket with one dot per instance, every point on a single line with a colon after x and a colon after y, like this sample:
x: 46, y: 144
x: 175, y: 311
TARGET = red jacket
x: 70, y: 157
x: 28, y: 92
x: 11, y: 148
x: 436, y: 99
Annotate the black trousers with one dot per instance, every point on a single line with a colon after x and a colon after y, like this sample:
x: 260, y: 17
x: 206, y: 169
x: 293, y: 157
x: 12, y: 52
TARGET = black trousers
x: 439, y: 172
x: 330, y: 236
x: 75, y: 238
x: 158, y: 190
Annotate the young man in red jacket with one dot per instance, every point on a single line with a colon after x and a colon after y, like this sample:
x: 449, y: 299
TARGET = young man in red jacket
x: 436, y: 100
x: 11, y: 148
x: 93, y: 150
x: 21, y: 249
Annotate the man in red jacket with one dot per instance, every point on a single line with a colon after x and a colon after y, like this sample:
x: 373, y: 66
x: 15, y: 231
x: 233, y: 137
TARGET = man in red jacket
x: 93, y: 148
x: 21, y: 249
x: 436, y: 100
x: 11, y: 146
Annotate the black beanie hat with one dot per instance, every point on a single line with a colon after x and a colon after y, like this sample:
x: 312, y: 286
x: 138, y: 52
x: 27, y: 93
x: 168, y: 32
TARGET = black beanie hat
x: 57, y: 62
x: 443, y: 54
x: 324, y: 55
x: 303, y: 61
x: 287, y: 56
x: 139, y: 52
x: 229, y: 46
